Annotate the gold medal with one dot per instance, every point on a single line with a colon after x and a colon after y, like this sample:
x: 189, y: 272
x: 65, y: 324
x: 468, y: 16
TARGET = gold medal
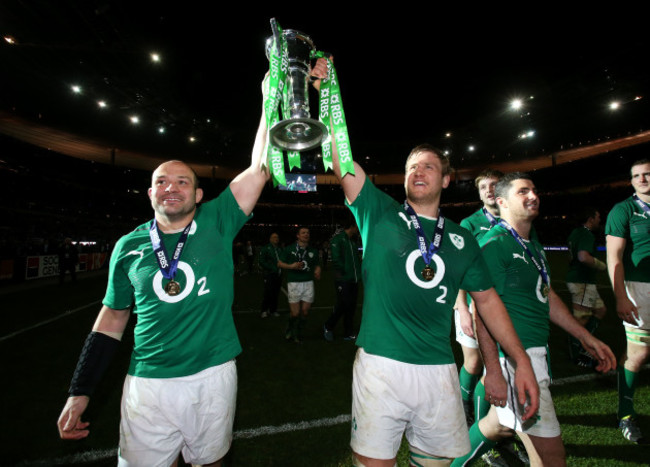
x: 545, y: 290
x: 172, y: 288
x: 428, y: 273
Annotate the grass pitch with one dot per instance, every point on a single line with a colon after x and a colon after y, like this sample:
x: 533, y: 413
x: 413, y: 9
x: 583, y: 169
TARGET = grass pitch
x: 293, y: 401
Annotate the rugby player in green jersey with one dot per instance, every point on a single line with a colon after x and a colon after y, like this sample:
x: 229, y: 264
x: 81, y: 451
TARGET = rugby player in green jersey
x: 176, y: 274
x: 628, y: 263
x: 405, y: 380
x: 479, y: 223
x: 522, y: 279
x: 588, y: 308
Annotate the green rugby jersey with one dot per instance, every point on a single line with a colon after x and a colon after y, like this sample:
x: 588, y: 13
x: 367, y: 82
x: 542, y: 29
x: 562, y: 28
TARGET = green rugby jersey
x: 294, y: 253
x: 519, y: 284
x: 477, y: 224
x: 406, y: 318
x: 581, y: 239
x: 183, y: 334
x: 628, y: 220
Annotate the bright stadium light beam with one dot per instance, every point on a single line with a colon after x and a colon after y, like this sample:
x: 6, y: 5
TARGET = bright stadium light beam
x: 155, y: 57
x: 614, y: 105
x: 516, y: 104
x: 134, y: 119
x: 76, y: 88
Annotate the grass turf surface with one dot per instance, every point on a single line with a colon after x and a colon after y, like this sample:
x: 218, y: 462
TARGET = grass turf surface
x: 280, y: 384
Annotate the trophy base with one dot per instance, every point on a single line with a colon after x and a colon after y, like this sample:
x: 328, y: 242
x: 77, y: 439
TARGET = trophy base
x: 298, y: 134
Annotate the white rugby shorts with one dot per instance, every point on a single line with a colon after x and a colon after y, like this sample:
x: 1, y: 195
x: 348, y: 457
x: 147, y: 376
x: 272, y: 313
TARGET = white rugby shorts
x: 639, y: 294
x: 585, y: 295
x: 164, y: 416
x: 545, y: 423
x: 391, y: 397
x: 300, y: 292
x: 462, y: 338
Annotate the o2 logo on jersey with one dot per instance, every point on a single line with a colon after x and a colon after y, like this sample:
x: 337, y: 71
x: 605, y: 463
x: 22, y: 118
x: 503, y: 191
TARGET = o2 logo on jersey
x: 189, y: 285
x: 413, y: 275
x: 538, y: 291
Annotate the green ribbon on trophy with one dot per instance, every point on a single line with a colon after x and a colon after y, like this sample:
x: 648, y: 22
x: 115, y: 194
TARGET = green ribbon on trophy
x: 275, y: 92
x: 331, y: 107
x: 298, y: 131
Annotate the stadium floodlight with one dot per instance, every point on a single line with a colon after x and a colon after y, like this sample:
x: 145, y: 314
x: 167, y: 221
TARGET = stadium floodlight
x: 76, y: 88
x: 134, y: 119
x: 155, y: 57
x: 516, y: 104
x: 614, y: 105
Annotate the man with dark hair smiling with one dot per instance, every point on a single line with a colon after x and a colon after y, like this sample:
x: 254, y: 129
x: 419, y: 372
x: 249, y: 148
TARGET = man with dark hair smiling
x: 520, y: 271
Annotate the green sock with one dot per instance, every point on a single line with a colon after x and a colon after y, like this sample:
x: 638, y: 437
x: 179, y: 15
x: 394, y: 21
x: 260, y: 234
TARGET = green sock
x: 480, y: 445
x: 291, y: 327
x: 481, y: 406
x: 626, y: 386
x: 467, y: 383
x: 301, y: 324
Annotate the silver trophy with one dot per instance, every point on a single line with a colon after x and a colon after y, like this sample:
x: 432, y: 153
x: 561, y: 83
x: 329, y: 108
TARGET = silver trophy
x: 299, y: 132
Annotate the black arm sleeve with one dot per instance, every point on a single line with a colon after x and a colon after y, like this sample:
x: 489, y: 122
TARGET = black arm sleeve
x: 96, y: 355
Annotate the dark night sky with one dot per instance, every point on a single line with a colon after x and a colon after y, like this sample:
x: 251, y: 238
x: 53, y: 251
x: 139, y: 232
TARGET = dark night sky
x: 408, y: 74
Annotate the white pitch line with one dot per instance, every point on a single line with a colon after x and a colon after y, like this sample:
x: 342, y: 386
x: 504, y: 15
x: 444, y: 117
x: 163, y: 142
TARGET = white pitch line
x: 62, y: 315
x: 97, y: 455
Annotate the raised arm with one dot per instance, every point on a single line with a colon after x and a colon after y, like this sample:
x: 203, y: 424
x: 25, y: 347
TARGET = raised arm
x: 351, y: 184
x: 248, y: 185
x: 99, y: 348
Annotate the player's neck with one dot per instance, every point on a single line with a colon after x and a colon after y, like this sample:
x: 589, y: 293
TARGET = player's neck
x: 492, y: 210
x: 302, y: 244
x: 521, y: 226
x: 644, y: 197
x: 173, y: 225
x: 426, y: 209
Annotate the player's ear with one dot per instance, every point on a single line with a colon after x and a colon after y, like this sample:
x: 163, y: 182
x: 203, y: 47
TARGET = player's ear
x: 198, y: 194
x: 445, y: 181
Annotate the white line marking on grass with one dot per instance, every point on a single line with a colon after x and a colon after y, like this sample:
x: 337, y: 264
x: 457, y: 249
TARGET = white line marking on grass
x: 97, y: 455
x: 62, y: 315
x: 290, y: 427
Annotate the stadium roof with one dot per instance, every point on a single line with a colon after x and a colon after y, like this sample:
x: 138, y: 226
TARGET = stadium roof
x: 445, y: 75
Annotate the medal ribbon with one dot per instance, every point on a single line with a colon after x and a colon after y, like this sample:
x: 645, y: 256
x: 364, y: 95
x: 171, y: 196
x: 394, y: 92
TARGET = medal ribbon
x: 434, y: 246
x: 331, y: 107
x: 491, y: 219
x: 539, y: 264
x: 167, y: 267
x: 643, y: 205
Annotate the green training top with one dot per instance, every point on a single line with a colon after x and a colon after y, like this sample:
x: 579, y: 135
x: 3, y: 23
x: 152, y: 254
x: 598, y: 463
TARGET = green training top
x: 519, y: 284
x: 627, y: 220
x: 309, y: 255
x: 581, y: 239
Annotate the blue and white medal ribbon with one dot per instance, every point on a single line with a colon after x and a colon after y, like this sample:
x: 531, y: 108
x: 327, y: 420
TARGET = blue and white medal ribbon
x: 491, y: 219
x: 539, y: 264
x: 642, y: 204
x: 168, y: 267
x: 427, y: 252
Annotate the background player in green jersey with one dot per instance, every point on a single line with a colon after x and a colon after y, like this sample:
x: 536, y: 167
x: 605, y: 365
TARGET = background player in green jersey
x: 479, y: 223
x: 405, y: 379
x: 346, y: 260
x: 471, y: 384
x: 302, y: 263
x: 520, y: 271
x: 588, y: 307
x: 271, y: 275
x: 628, y: 263
x: 182, y: 368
